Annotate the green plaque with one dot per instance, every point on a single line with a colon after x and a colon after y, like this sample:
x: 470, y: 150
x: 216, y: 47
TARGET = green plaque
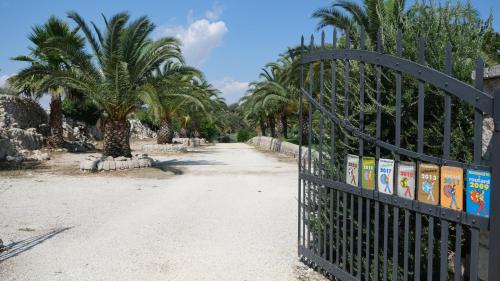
x: 368, y: 173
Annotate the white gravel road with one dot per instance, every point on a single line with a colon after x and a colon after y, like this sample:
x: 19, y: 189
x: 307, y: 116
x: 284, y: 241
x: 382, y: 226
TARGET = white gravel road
x: 229, y: 213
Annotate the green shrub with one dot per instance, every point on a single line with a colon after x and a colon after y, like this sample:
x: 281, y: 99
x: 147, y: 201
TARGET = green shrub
x: 146, y: 116
x: 225, y: 139
x: 208, y: 130
x: 244, y: 135
x: 81, y: 109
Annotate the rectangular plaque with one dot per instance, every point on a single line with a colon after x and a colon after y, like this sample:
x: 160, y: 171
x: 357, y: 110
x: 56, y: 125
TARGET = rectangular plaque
x: 368, y: 173
x: 452, y: 187
x: 352, y: 170
x: 385, y: 175
x: 406, y: 180
x: 428, y: 184
x: 478, y: 191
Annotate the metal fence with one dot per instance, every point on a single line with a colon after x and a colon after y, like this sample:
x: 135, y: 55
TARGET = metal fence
x: 352, y: 233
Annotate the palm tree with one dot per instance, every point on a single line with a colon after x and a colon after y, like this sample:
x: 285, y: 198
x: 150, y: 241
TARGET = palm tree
x: 124, y: 59
x: 275, y: 95
x: 214, y: 105
x: 349, y: 15
x: 171, y: 90
x: 258, y: 105
x: 43, y: 63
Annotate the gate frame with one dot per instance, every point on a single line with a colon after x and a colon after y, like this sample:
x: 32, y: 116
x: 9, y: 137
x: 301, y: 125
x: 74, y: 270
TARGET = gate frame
x: 483, y: 104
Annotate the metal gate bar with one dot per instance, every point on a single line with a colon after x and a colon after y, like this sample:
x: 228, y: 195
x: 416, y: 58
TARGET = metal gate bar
x: 352, y: 233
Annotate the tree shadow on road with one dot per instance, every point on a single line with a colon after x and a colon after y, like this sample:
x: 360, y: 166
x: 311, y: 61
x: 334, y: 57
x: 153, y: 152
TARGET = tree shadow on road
x: 15, y: 248
x: 170, y: 165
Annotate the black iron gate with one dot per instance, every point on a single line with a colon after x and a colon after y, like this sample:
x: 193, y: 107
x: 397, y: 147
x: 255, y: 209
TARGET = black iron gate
x: 353, y: 233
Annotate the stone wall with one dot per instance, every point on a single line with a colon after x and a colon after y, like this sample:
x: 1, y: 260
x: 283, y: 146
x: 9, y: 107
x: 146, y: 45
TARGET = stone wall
x: 283, y: 147
x: 190, y: 142
x: 21, y: 113
x: 22, y: 125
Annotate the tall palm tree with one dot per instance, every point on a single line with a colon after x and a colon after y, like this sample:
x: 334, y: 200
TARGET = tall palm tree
x: 43, y: 63
x: 171, y: 90
x: 124, y: 57
x: 214, y: 105
x: 275, y: 95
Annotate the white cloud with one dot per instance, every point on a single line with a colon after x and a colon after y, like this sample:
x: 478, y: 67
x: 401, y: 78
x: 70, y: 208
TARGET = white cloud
x: 3, y: 80
x: 232, y: 90
x: 199, y: 37
x: 214, y: 13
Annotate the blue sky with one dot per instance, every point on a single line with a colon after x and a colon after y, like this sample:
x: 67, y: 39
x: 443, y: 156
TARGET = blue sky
x: 229, y: 40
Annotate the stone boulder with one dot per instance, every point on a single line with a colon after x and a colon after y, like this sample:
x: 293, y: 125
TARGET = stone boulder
x: 25, y: 139
x: 6, y: 149
x: 22, y: 126
x: 140, y: 131
x: 78, y: 131
x: 190, y: 142
x: 94, y: 163
x: 159, y: 148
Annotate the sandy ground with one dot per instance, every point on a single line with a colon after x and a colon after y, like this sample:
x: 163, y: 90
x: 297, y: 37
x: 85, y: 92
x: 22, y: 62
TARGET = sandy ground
x: 224, y: 212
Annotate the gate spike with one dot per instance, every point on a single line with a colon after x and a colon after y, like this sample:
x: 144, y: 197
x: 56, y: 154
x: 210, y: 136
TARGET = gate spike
x: 421, y: 49
x: 362, y: 37
x: 334, y: 38
x: 399, y: 43
x: 448, y: 60
x: 379, y: 41
x: 311, y: 44
x: 347, y: 39
x: 479, y: 73
x: 323, y: 39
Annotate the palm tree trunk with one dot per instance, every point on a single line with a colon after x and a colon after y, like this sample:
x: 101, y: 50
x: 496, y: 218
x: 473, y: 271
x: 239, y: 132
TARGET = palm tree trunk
x: 183, y: 133
x: 272, y: 125
x: 262, y: 127
x: 165, y: 134
x: 195, y: 129
x: 116, y: 138
x: 284, y: 125
x: 55, y: 138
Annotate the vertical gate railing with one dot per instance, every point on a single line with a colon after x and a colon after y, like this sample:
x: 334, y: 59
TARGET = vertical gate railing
x: 352, y: 233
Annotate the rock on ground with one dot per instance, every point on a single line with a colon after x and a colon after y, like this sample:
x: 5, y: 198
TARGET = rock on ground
x: 140, y: 131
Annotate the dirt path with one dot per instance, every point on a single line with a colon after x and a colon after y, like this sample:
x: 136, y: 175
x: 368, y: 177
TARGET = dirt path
x: 224, y: 212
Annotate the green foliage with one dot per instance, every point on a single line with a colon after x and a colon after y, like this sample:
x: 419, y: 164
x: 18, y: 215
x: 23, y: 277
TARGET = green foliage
x: 146, y: 116
x: 244, y: 135
x: 7, y: 91
x: 225, y: 139
x: 81, y: 109
x: 123, y: 58
x: 208, y: 130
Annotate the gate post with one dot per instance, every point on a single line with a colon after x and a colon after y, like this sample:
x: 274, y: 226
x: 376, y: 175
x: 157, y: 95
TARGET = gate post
x: 494, y: 243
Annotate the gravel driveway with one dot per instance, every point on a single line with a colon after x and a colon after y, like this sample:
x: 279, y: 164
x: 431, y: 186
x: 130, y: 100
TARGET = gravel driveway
x: 227, y: 212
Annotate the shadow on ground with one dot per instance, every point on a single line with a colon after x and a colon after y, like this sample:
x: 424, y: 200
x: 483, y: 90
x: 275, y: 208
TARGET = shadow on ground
x: 170, y: 165
x: 15, y: 248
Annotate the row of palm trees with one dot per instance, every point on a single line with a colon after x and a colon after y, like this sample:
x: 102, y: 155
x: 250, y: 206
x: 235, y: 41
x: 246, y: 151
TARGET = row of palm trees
x: 125, y: 71
x: 273, y: 101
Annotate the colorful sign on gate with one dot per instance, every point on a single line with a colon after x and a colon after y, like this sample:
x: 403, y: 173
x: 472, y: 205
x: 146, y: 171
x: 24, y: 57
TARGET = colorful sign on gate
x: 428, y: 184
x: 452, y: 187
x: 352, y: 170
x: 406, y: 180
x: 478, y: 192
x: 386, y: 176
x: 368, y: 173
